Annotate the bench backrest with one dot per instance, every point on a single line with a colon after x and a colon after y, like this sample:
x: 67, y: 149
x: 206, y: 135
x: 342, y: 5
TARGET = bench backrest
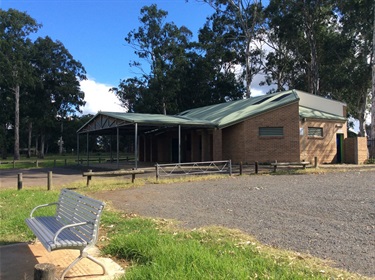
x: 75, y: 208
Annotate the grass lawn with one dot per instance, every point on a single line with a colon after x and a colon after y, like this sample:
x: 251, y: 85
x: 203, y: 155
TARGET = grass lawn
x: 159, y: 249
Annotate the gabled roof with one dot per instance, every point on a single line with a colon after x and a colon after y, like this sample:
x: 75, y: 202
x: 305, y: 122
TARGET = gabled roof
x: 229, y: 113
x: 108, y: 120
x: 156, y: 119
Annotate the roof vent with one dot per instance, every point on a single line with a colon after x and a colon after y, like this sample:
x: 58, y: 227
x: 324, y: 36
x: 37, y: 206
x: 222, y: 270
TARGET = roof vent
x: 281, y: 97
x: 262, y: 100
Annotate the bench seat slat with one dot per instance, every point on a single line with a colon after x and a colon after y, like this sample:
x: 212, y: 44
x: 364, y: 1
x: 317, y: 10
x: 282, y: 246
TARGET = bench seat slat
x: 45, y: 229
x: 83, y: 212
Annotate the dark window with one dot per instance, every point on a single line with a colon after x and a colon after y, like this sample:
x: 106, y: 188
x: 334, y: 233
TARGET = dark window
x: 315, y: 131
x: 271, y: 131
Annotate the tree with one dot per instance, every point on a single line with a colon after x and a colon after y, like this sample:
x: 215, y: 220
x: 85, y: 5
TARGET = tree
x: 239, y: 22
x: 182, y: 74
x: 357, y: 20
x: 373, y: 80
x: 161, y: 45
x: 56, y: 92
x: 300, y: 28
x: 15, y: 46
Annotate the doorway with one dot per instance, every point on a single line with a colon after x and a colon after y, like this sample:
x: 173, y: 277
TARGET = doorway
x: 340, y: 148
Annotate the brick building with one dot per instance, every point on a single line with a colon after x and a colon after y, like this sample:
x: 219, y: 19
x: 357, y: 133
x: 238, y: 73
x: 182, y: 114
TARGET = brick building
x: 287, y: 126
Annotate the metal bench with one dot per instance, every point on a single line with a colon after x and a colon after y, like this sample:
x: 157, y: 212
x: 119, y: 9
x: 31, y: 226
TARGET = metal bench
x: 90, y: 173
x: 74, y: 226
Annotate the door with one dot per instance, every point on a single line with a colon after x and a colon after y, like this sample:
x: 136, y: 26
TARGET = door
x: 340, y: 147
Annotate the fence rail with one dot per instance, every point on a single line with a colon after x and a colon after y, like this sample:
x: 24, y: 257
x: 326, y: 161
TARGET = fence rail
x: 193, y: 168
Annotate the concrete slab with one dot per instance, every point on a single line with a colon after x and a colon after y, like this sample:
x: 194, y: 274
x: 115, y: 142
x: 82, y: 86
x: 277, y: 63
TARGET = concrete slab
x: 17, y: 261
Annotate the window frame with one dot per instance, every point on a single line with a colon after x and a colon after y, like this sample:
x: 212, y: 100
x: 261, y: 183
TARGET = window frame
x: 315, y: 132
x: 273, y: 131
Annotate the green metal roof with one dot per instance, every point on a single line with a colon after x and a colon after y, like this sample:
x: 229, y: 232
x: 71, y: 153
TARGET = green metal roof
x: 229, y: 113
x: 309, y: 113
x: 108, y: 120
x: 157, y: 119
x: 218, y: 115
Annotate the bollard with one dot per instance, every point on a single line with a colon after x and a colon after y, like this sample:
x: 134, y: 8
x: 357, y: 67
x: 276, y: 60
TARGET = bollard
x: 241, y: 168
x: 65, y: 162
x: 44, y: 271
x: 49, y: 180
x: 256, y: 167
x: 157, y: 172
x: 37, y: 163
x: 88, y: 178
x: 19, y: 181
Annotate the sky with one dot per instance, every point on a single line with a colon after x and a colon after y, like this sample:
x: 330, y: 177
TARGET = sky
x: 93, y: 31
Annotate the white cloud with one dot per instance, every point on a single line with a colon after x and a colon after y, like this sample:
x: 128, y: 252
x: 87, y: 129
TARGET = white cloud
x: 99, y: 98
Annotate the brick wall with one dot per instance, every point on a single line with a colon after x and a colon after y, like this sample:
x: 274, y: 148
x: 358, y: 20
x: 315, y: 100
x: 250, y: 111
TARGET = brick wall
x: 324, y: 148
x: 362, y: 150
x: 356, y: 151
x: 242, y: 143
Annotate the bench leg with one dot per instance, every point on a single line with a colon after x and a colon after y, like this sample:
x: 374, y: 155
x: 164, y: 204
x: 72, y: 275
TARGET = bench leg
x: 83, y: 254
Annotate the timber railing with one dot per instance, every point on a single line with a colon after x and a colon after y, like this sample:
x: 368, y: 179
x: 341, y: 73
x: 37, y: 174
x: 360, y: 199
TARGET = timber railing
x: 193, y: 168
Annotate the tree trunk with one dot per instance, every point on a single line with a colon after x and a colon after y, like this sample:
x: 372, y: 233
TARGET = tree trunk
x: 362, y: 118
x: 4, y: 144
x: 30, y: 129
x: 314, y: 67
x: 42, y: 142
x: 37, y: 146
x: 17, y: 123
x: 372, y: 153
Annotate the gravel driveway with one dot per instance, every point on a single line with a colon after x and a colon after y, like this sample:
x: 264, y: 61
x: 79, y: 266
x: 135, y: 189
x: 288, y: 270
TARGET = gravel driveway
x: 331, y: 216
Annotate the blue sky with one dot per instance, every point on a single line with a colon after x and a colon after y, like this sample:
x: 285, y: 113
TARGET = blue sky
x: 94, y: 30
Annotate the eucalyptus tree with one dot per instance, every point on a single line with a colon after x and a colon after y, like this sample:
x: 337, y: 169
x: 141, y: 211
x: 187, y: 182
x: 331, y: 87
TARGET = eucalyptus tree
x: 56, y: 91
x: 163, y: 46
x: 356, y: 18
x: 239, y: 23
x: 301, y: 27
x: 15, y: 48
x: 373, y: 79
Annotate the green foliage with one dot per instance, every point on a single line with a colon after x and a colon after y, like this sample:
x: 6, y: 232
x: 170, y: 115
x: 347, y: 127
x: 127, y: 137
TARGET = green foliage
x: 47, y: 77
x: 370, y: 161
x: 179, y: 77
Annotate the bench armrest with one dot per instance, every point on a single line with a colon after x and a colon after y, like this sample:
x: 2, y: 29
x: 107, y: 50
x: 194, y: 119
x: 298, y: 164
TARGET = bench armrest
x: 40, y: 206
x: 68, y: 226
